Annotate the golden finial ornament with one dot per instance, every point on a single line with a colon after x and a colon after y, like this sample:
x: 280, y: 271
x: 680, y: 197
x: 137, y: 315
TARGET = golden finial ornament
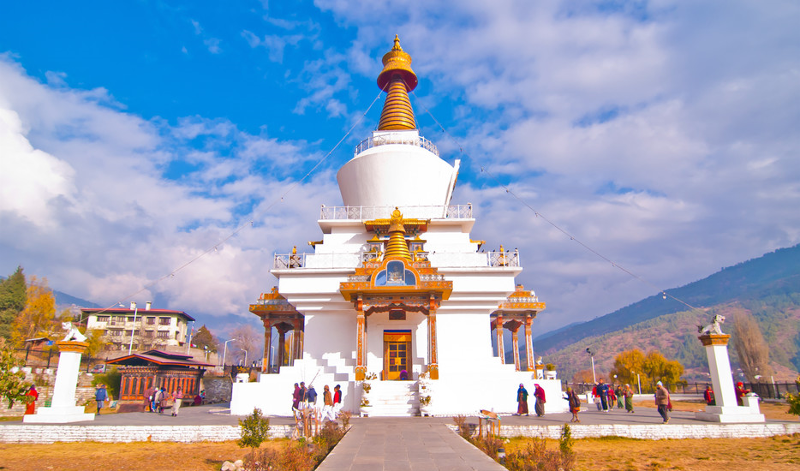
x: 397, y: 245
x: 397, y: 79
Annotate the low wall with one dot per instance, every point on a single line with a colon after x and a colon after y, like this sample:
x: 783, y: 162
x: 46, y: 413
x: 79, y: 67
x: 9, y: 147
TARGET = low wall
x: 650, y: 432
x: 127, y: 434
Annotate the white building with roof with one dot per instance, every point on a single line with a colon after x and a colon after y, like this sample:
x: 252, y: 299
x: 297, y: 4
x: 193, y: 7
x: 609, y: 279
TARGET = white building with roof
x: 397, y: 291
x: 144, y: 329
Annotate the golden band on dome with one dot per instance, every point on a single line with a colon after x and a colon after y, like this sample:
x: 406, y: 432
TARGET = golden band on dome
x: 397, y: 79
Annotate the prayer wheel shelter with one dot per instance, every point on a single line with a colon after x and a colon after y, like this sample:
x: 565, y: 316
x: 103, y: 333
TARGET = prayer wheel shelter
x: 157, y: 368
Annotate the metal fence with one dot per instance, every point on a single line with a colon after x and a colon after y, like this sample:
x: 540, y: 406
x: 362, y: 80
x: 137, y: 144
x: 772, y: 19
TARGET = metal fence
x: 48, y: 358
x: 764, y: 390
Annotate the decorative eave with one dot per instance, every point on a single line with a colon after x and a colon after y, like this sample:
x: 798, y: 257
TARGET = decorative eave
x: 521, y: 302
x: 367, y: 281
x: 272, y: 304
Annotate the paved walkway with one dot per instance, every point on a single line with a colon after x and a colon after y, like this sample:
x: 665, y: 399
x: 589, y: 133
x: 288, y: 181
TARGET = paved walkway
x: 415, y: 443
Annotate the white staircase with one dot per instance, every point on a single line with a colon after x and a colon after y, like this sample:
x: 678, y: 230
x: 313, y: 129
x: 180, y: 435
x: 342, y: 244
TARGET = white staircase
x: 394, y: 398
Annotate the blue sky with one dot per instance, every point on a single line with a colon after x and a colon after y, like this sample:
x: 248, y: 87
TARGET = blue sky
x: 136, y: 135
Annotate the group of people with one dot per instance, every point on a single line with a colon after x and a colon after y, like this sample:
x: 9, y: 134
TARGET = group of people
x: 159, y: 399
x: 605, y: 396
x: 305, y: 399
x: 522, y: 400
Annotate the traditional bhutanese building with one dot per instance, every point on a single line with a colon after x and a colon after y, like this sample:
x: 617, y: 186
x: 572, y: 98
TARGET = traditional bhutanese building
x: 396, y: 288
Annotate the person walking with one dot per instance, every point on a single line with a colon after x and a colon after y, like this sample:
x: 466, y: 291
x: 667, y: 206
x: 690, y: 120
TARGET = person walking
x: 602, y: 391
x: 662, y: 401
x: 31, y: 407
x: 708, y: 395
x: 296, y: 398
x: 337, y: 400
x: 619, y: 391
x: 522, y: 400
x: 574, y: 404
x: 327, y: 405
x: 311, y: 398
x: 176, y: 407
x: 628, y: 398
x: 148, y: 399
x: 538, y: 393
x: 612, y: 398
x: 100, y: 396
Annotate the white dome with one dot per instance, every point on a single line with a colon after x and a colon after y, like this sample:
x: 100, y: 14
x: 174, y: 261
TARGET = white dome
x: 396, y: 169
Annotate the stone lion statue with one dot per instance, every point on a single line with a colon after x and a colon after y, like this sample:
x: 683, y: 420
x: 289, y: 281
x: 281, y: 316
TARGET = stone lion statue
x: 714, y: 327
x: 73, y: 334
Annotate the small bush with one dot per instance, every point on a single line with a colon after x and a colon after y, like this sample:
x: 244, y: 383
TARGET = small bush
x: 463, y: 426
x: 344, y: 416
x: 794, y: 403
x: 112, y: 379
x: 255, y: 430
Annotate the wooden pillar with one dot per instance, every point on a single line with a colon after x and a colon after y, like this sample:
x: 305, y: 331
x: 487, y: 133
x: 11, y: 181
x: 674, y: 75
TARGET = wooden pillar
x: 501, y: 348
x: 529, y: 342
x: 515, y: 343
x: 282, y: 329
x: 266, y: 361
x: 433, y: 348
x: 298, y: 338
x: 361, y: 342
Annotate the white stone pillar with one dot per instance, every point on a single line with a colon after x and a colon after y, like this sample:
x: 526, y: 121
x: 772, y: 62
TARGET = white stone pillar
x: 726, y: 410
x: 62, y: 407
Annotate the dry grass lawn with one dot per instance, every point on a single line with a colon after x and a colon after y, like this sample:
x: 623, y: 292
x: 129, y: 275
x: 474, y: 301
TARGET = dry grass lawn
x: 143, y: 456
x: 625, y: 454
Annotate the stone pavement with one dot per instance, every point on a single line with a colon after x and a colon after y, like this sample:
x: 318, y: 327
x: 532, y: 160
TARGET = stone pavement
x: 407, y: 443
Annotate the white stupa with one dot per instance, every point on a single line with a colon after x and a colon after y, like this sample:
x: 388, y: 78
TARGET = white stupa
x: 397, y: 289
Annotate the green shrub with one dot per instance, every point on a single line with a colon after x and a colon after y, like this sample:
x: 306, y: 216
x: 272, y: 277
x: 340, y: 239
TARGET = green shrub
x: 112, y: 379
x: 255, y: 430
x: 794, y: 403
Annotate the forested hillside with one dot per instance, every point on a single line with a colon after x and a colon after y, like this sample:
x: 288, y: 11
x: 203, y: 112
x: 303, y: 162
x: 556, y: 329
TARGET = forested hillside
x: 767, y: 287
x: 774, y: 274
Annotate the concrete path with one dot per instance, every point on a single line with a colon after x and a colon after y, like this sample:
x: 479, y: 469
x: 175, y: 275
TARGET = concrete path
x: 415, y: 443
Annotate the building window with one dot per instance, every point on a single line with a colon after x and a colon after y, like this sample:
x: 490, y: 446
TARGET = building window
x: 131, y: 318
x: 163, y: 334
x: 149, y: 334
x: 102, y: 318
x: 115, y: 333
x: 151, y: 321
x: 164, y: 321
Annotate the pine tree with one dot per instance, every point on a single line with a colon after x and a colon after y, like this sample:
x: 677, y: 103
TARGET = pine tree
x: 13, y: 297
x: 38, y: 317
x: 203, y: 338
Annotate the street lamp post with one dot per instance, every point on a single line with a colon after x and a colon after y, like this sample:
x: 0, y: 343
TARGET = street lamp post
x: 245, y: 358
x: 133, y: 329
x: 225, y: 351
x: 594, y: 376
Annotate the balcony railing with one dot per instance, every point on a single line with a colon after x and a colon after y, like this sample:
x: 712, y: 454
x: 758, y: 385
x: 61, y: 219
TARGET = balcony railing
x: 364, y: 213
x: 438, y: 259
x: 417, y: 141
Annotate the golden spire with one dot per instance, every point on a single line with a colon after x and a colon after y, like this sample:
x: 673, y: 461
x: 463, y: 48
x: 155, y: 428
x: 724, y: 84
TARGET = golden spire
x: 397, y: 245
x: 397, y: 79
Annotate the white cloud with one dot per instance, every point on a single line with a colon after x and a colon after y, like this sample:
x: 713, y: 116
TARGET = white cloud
x: 85, y: 201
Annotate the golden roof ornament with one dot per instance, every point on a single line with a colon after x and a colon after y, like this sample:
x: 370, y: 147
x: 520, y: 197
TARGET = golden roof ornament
x: 397, y: 245
x: 397, y: 79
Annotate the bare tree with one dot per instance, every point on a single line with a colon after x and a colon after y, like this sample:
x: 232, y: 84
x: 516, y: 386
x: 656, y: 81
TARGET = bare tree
x: 751, y: 348
x: 250, y: 340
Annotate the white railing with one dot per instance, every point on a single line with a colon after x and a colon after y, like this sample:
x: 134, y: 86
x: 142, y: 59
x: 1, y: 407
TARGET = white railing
x: 321, y: 260
x: 437, y: 259
x: 417, y: 141
x: 364, y: 213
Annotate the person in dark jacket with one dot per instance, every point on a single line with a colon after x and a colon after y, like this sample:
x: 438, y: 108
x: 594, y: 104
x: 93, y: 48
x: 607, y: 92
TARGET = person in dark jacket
x: 602, y: 391
x: 522, y: 400
x: 101, y: 396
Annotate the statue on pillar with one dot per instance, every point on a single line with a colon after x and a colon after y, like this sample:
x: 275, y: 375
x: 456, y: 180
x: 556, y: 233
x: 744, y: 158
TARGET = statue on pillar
x: 714, y: 327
